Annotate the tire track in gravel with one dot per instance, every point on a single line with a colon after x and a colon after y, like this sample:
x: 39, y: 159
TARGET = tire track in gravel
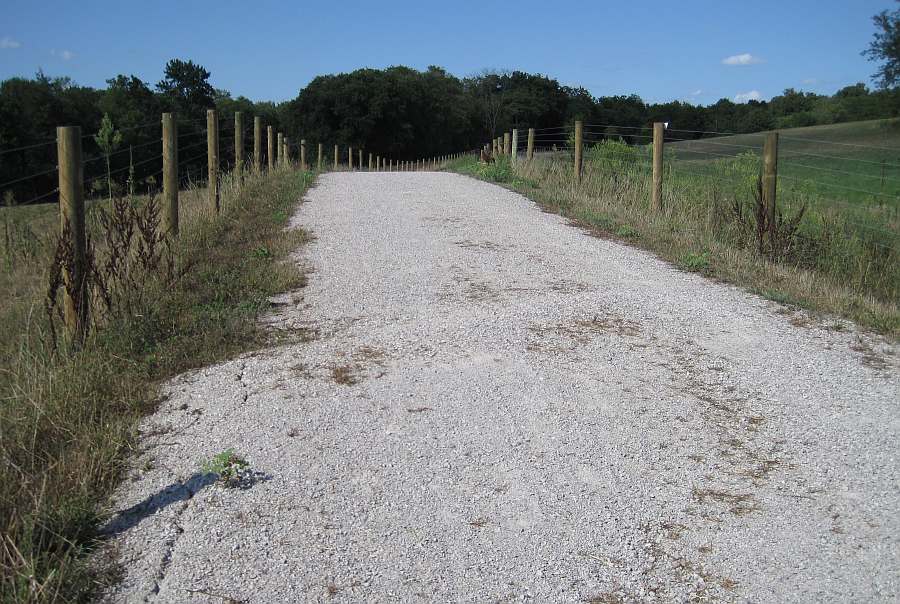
x: 489, y: 405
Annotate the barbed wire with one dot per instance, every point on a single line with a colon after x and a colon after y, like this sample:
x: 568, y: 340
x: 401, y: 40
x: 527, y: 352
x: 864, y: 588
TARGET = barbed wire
x: 27, y: 147
x: 29, y: 177
x: 826, y: 142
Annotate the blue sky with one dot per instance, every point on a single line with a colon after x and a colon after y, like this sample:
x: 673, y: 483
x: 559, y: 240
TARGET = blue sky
x: 265, y: 50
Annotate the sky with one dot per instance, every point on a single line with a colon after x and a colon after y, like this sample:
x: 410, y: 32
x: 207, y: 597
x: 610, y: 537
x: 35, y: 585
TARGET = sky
x: 690, y: 50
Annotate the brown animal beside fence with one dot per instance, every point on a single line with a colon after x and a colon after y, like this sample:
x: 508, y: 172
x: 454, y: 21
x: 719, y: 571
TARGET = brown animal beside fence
x: 486, y: 157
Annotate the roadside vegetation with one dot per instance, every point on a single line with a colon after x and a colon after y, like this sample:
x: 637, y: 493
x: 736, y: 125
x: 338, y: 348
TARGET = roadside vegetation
x: 68, y: 418
x: 835, y: 254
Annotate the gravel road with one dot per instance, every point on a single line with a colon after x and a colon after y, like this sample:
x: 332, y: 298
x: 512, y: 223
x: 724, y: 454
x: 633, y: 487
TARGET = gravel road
x: 493, y: 405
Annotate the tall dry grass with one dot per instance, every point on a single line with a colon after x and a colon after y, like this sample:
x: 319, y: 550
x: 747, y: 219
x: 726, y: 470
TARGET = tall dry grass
x: 68, y: 418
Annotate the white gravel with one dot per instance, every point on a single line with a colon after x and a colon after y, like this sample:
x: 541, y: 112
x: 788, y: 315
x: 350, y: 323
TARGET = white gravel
x: 539, y: 415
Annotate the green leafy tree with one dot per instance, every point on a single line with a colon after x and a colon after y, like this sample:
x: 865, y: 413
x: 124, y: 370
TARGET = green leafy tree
x: 187, y: 89
x: 108, y: 139
x: 886, y: 47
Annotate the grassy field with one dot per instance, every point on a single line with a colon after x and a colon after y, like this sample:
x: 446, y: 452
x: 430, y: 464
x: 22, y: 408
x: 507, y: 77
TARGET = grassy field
x: 857, y: 162
x: 838, y: 254
x: 68, y: 419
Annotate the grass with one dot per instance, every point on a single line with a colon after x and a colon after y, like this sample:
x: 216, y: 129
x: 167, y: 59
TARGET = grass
x: 839, y: 256
x: 837, y: 162
x: 68, y: 421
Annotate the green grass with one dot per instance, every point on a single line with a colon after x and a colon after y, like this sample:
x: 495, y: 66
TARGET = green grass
x: 857, y: 162
x: 833, y: 255
x: 68, y: 421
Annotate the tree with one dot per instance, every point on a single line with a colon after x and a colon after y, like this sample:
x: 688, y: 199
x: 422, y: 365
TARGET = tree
x: 886, y: 47
x: 186, y: 87
x: 108, y: 139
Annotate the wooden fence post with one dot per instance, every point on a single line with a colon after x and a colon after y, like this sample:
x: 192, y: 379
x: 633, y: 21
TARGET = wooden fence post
x: 71, y: 214
x: 238, y: 143
x: 336, y: 160
x: 350, y: 158
x: 530, y: 154
x: 287, y: 152
x: 659, y: 135
x: 303, y: 154
x: 321, y: 155
x: 360, y: 158
x: 212, y: 152
x: 579, y: 129
x: 371, y: 162
x: 271, y: 147
x: 170, y: 173
x: 515, y: 146
x: 278, y: 150
x: 257, y: 144
x: 770, y: 180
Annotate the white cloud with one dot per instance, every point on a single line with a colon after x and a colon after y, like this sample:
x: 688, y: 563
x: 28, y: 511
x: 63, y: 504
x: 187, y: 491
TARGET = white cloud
x: 809, y: 81
x: 65, y: 55
x: 7, y: 42
x: 742, y: 59
x: 697, y: 92
x: 743, y: 97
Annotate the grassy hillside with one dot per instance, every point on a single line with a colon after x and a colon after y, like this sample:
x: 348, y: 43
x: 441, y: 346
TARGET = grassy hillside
x: 856, y: 162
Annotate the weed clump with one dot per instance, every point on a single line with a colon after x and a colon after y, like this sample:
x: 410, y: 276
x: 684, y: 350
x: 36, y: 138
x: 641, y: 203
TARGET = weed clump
x: 232, y: 469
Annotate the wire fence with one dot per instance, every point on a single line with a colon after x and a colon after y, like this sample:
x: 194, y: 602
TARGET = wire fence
x: 130, y: 164
x: 857, y: 182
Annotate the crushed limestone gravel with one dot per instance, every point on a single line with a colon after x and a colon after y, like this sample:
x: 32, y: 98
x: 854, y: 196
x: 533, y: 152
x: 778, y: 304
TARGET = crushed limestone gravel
x: 492, y: 405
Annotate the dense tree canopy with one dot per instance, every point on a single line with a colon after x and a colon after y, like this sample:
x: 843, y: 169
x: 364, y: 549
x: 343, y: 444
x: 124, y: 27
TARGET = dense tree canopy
x: 397, y: 112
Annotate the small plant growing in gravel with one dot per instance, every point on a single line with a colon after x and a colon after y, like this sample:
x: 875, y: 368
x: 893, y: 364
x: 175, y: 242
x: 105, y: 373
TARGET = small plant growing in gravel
x: 232, y: 469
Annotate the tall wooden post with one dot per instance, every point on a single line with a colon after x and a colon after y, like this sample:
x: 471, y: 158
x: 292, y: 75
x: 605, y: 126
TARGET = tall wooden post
x: 770, y: 180
x: 303, y: 154
x: 371, y: 164
x: 270, y: 131
x: 71, y: 214
x: 350, y: 158
x: 257, y: 144
x: 212, y: 153
x: 238, y: 142
x: 278, y: 149
x: 360, y: 163
x: 170, y: 173
x: 530, y: 155
x: 659, y: 135
x: 579, y: 137
x: 321, y: 156
x: 336, y: 164
x: 515, y: 146
x: 287, y: 152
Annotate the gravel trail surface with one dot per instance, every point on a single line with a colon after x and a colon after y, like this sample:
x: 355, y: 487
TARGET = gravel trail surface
x: 493, y: 405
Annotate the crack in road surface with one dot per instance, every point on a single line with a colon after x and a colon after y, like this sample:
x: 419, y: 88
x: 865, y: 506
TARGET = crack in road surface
x: 490, y: 405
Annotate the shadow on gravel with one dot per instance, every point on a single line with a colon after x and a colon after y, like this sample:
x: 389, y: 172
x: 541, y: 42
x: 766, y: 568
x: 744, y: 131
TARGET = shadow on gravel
x: 179, y: 491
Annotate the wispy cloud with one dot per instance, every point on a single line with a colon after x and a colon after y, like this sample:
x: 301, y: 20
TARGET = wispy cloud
x: 741, y: 59
x: 743, y: 97
x: 7, y: 42
x: 65, y: 55
x: 697, y: 92
x: 809, y: 81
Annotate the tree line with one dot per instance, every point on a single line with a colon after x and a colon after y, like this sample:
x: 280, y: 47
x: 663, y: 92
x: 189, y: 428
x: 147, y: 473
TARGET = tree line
x: 396, y: 112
